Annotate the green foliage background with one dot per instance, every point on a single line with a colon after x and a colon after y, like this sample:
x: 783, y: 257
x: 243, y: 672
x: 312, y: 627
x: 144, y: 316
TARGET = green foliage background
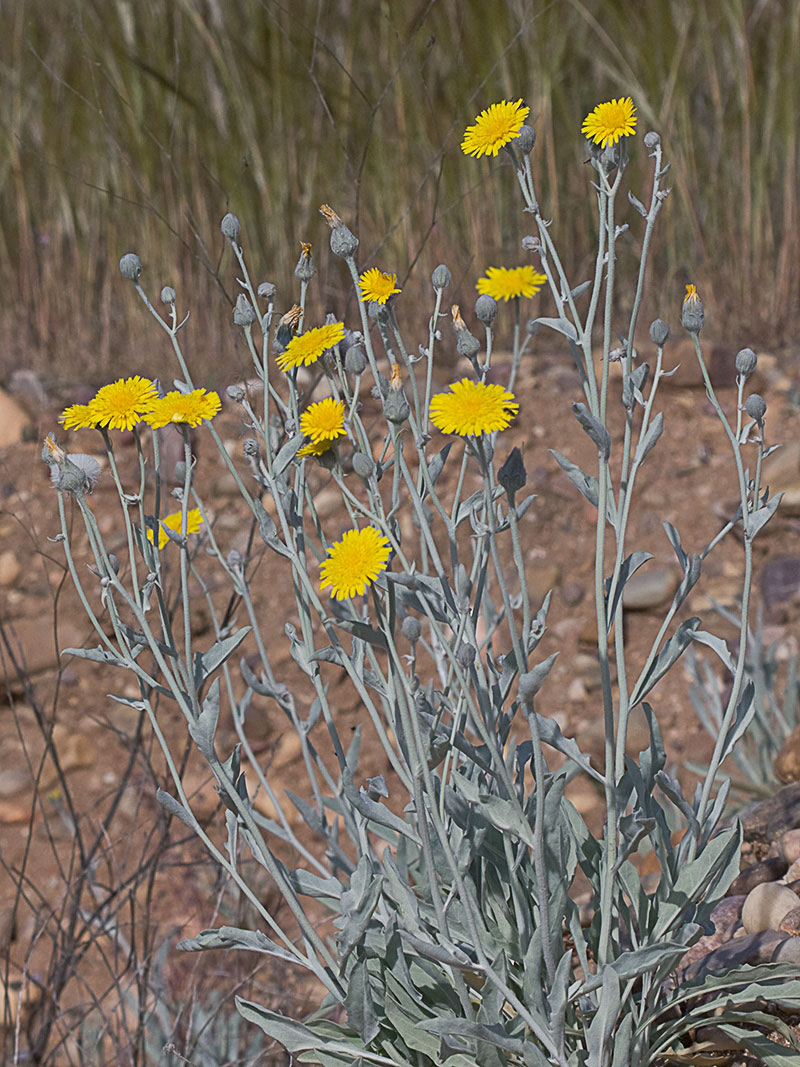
x: 133, y: 125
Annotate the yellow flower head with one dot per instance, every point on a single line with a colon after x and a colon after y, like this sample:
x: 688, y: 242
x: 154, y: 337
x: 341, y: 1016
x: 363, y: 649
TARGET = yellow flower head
x: 314, y: 448
x: 692, y: 296
x: 194, y: 520
x: 189, y: 408
x: 375, y: 285
x: 610, y: 121
x: 494, y: 128
x: 323, y: 421
x: 505, y: 283
x: 123, y: 403
x: 473, y: 408
x: 354, y: 562
x: 307, y: 347
x: 77, y: 417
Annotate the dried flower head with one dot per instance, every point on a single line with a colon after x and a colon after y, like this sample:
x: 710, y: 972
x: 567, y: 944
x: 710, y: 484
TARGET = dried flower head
x: 377, y: 286
x: 123, y: 403
x: 609, y: 121
x: 323, y: 421
x: 494, y: 128
x: 692, y: 312
x: 287, y: 325
x: 194, y: 520
x: 306, y: 348
x: 343, y: 241
x: 508, y: 283
x: 305, y: 268
x: 354, y: 562
x: 473, y: 408
x: 188, y: 408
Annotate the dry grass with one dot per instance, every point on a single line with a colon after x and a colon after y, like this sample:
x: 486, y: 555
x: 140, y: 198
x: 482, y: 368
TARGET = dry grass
x: 135, y: 126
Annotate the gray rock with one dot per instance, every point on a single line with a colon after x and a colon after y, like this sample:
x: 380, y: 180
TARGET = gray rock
x: 752, y: 948
x: 766, y: 820
x: 789, y: 845
x: 790, y: 923
x: 769, y: 870
x: 787, y: 951
x: 727, y: 915
x: 766, y: 906
x: 572, y: 593
x: 649, y: 588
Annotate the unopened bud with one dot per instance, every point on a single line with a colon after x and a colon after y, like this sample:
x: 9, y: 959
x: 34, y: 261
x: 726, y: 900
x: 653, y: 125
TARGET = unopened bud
x: 231, y: 227
x: 526, y: 138
x: 250, y: 447
x: 659, y: 332
x: 130, y: 267
x: 395, y: 403
x: 746, y: 361
x: 486, y: 309
x: 512, y: 475
x: 363, y: 465
x: 236, y: 393
x: 243, y: 313
x: 465, y: 654
x: 411, y: 629
x: 756, y: 407
x: 441, y: 277
x: 652, y: 139
x: 355, y: 362
x: 267, y: 291
x: 168, y: 295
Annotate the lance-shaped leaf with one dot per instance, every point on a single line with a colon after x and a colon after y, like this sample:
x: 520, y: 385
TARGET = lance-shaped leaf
x: 202, y: 731
x: 234, y: 937
x: 668, y: 655
x: 435, y: 468
x: 650, y: 439
x: 761, y: 516
x: 594, y: 428
x: 563, y: 326
x: 359, y: 1004
x: 628, y: 567
x: 206, y: 663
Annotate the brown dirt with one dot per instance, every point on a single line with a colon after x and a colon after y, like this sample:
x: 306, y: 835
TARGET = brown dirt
x: 688, y: 480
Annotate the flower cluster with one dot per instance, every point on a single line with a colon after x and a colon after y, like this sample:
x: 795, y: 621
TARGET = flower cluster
x: 123, y: 404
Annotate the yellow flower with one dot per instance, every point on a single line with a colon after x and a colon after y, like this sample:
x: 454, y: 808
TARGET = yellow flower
x: 190, y: 408
x: 323, y: 421
x: 610, y: 121
x: 314, y: 448
x: 354, y: 562
x: 306, y: 348
x: 494, y: 128
x: 375, y: 285
x: 123, y: 403
x: 194, y: 520
x: 505, y: 283
x: 77, y: 417
x: 473, y: 408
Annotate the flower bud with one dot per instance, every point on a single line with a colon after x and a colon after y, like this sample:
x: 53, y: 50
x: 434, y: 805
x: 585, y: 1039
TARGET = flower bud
x: 746, y: 362
x: 343, y: 241
x: 243, y: 313
x: 113, y: 562
x: 441, y: 277
x: 355, y: 362
x: 168, y: 295
x: 231, y: 227
x: 512, y: 475
x: 659, y: 332
x: 250, y: 447
x: 531, y: 243
x: 363, y: 465
x: 756, y: 407
x: 486, y: 309
x: 267, y: 290
x: 465, y: 655
x: 692, y: 313
x: 526, y: 138
x: 652, y: 139
x: 236, y: 393
x: 411, y: 629
x: 378, y: 312
x: 305, y: 269
x: 130, y: 267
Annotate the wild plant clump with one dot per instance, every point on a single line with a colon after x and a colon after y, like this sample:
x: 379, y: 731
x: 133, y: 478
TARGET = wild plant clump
x: 450, y: 881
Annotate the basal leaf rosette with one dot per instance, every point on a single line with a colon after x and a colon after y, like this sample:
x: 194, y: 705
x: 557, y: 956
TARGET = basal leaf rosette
x: 354, y: 562
x: 471, y: 408
x: 508, y: 283
x: 494, y: 128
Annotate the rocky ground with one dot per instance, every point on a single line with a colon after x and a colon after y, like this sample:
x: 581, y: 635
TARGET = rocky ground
x: 688, y: 480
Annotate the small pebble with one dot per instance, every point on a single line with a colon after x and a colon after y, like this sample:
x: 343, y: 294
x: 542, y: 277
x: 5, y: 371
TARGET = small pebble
x: 788, y: 951
x: 765, y: 907
x: 790, y: 923
x: 727, y: 915
x: 789, y: 844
